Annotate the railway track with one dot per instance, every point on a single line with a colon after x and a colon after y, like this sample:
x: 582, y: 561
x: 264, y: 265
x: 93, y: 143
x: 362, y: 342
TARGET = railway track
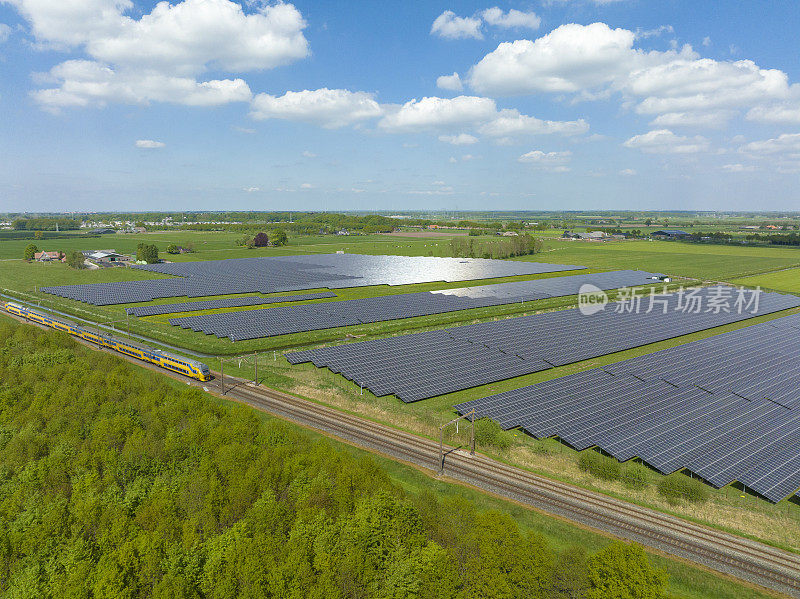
x: 742, y: 558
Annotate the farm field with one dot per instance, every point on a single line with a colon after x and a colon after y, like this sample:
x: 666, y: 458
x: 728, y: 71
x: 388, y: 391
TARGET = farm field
x: 680, y: 259
x: 787, y: 280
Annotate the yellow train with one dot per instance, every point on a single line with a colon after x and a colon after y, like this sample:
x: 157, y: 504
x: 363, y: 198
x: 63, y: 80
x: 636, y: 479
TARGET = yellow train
x: 190, y: 368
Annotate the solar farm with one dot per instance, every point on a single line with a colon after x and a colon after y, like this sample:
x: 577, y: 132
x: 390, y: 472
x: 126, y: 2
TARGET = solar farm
x: 707, y: 406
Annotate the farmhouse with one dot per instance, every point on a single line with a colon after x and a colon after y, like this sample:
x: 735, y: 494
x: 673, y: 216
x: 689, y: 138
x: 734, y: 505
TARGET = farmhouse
x: 47, y: 256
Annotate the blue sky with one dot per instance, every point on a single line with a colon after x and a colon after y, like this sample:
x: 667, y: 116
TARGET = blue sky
x: 561, y: 104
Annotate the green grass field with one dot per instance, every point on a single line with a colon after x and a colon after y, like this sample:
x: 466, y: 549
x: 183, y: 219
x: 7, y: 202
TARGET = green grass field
x: 787, y: 280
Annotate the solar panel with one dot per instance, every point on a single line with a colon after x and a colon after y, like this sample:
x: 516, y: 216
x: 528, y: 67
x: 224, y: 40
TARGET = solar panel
x: 295, y: 319
x: 727, y: 407
x: 427, y: 364
x: 232, y: 302
x: 294, y: 273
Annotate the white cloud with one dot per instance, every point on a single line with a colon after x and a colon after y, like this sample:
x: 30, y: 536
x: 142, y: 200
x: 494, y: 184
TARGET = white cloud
x: 775, y: 113
x: 648, y: 33
x: 468, y: 157
x: 664, y: 141
x: 450, y: 26
x: 548, y: 161
x: 711, y: 120
x: 5, y: 32
x: 329, y: 108
x: 510, y: 123
x: 149, y: 144
x: 161, y: 55
x: 452, y: 160
x: 738, y: 168
x: 783, y: 144
x: 440, y: 183
x: 512, y: 19
x: 450, y: 82
x: 462, y: 139
x: 251, y: 189
x: 88, y: 83
x: 306, y: 186
x: 706, y: 41
x: 627, y: 172
x: 433, y: 112
x: 568, y: 59
x: 307, y: 154
x: 245, y: 130
x: 677, y: 86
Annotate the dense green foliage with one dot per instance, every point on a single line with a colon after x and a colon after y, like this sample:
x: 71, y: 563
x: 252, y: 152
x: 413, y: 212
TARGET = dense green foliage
x: 279, y: 237
x: 173, y: 248
x: 76, y: 259
x: 599, y: 465
x: 677, y: 487
x: 30, y: 251
x: 114, y: 483
x: 147, y: 253
x: 495, y: 247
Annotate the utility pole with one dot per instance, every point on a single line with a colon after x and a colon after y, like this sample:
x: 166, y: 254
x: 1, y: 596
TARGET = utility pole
x: 255, y: 361
x: 471, y: 416
x: 222, y: 374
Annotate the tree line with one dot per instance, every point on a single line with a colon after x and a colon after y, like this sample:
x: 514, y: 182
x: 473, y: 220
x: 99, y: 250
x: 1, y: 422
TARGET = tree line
x: 45, y: 224
x: 116, y: 483
x: 502, y: 247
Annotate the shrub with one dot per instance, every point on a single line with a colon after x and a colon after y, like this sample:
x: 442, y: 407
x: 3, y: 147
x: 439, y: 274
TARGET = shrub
x: 635, y: 476
x: 678, y: 486
x: 173, y: 249
x: 488, y: 432
x: 599, y: 465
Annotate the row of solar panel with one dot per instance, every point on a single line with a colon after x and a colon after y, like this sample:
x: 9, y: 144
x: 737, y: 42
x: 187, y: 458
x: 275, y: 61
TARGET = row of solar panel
x: 252, y: 324
x: 727, y: 408
x: 422, y: 365
x: 294, y: 273
x: 231, y: 302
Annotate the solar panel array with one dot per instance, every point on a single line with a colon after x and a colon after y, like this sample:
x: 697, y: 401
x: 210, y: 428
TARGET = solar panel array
x: 230, y: 302
x: 253, y: 324
x: 727, y: 408
x: 423, y: 365
x: 295, y: 273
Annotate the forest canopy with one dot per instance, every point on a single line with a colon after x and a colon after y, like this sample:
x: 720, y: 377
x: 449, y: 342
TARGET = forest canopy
x: 117, y: 482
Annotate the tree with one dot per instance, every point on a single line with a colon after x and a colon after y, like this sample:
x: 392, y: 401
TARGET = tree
x: 622, y: 571
x: 38, y: 235
x: 30, y: 251
x: 147, y: 253
x: 279, y: 237
x: 76, y: 259
x: 173, y: 249
x: 261, y: 240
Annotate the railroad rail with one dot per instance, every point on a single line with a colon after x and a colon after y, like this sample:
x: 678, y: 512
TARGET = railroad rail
x: 729, y: 554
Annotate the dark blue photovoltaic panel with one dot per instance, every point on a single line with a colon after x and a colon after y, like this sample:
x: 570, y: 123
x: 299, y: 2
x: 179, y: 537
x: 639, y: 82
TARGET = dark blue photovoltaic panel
x: 230, y: 302
x: 252, y: 324
x: 727, y: 408
x: 424, y: 365
x: 295, y: 273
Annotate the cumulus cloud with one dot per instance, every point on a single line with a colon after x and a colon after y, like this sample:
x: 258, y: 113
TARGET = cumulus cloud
x: 433, y: 112
x: 664, y: 141
x: 710, y: 120
x: 512, y: 19
x: 450, y: 26
x: 88, y: 83
x: 149, y: 144
x: 462, y: 139
x: 251, y: 189
x: 627, y: 172
x: 548, y: 161
x: 5, y: 32
x: 450, y: 82
x: 785, y: 113
x: 677, y: 87
x: 472, y: 112
x: 161, y: 55
x: 307, y: 154
x: 510, y: 123
x: 786, y: 143
x: 329, y: 108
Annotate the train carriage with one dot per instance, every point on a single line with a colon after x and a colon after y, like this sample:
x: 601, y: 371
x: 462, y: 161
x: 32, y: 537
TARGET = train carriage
x: 173, y: 362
